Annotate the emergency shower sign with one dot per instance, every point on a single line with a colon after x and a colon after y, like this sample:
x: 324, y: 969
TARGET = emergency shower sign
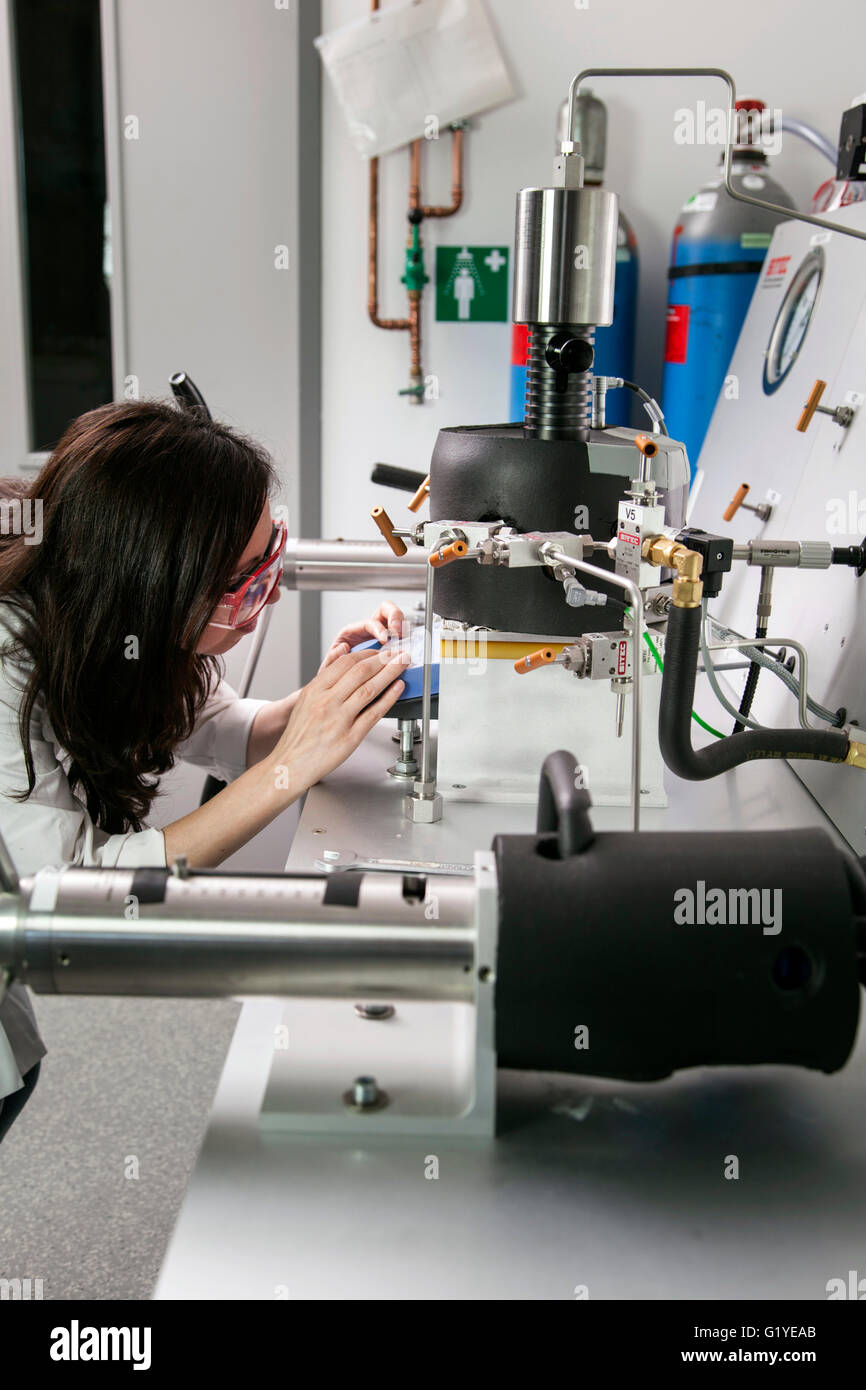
x: 472, y: 284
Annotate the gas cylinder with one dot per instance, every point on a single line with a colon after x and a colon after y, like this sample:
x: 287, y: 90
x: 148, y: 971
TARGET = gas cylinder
x: 717, y: 252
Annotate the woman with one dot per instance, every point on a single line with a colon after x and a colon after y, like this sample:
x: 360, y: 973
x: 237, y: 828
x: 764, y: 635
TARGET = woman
x: 158, y: 553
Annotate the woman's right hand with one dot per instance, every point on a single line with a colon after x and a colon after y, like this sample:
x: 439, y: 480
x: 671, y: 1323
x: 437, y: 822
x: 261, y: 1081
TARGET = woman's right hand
x: 331, y: 715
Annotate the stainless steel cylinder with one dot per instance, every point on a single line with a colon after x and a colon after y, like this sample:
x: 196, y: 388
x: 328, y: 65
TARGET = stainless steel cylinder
x: 565, y: 256
x: 347, y: 936
x: 339, y: 564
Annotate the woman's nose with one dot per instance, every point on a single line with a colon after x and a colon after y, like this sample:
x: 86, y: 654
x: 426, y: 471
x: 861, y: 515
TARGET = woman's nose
x: 275, y: 595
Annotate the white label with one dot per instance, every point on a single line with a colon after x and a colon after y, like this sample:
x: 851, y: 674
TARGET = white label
x: 752, y: 181
x: 702, y: 202
x: 820, y: 238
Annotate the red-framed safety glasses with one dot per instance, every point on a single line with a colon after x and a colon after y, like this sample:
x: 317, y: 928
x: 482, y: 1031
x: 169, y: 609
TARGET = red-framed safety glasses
x: 241, y: 605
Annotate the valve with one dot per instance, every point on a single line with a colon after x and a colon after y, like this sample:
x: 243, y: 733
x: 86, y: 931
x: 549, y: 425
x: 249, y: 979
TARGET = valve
x: 841, y: 414
x: 386, y: 526
x: 421, y: 495
x: 763, y: 510
x: 415, y: 277
x: 455, y: 551
x: 566, y: 353
x: 543, y: 657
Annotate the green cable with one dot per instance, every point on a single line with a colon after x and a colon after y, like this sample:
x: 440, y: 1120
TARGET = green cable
x: 696, y: 717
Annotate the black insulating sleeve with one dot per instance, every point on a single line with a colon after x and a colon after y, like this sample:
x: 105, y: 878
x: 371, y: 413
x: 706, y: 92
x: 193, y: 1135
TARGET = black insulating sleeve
x: 675, y: 717
x: 599, y: 971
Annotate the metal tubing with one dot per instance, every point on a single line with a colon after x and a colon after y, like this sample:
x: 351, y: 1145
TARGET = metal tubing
x: 427, y: 692
x: 723, y: 76
x: 559, y: 557
x: 223, y: 935
x: 349, y: 564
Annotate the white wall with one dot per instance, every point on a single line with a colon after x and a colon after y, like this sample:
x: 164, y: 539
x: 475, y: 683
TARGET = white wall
x: 809, y: 64
x: 210, y: 188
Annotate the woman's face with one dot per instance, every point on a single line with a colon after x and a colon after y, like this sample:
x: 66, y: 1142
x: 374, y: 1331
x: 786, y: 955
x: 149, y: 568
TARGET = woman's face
x: 217, y: 640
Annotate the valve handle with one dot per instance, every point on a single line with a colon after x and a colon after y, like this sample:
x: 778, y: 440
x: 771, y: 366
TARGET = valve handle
x: 454, y: 551
x: 421, y: 495
x: 386, y: 526
x: 736, y: 502
x: 811, y: 406
x: 543, y: 657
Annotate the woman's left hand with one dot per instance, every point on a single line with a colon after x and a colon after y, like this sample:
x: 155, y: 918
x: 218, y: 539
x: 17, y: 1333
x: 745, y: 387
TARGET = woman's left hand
x: 385, y: 623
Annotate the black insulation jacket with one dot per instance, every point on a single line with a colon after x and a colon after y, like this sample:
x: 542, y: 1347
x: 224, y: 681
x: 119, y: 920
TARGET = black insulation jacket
x: 675, y: 717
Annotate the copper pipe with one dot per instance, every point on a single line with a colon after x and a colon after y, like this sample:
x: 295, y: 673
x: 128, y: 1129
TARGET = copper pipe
x: 456, y: 179
x: 373, y: 255
x: 414, y: 175
x: 415, y: 335
x: 373, y: 245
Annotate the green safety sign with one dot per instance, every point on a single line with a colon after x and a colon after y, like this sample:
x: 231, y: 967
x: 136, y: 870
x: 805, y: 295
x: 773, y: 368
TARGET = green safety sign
x: 472, y: 284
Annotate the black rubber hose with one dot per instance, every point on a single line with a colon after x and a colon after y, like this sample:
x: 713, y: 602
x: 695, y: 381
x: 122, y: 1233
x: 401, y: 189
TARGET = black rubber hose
x: 675, y: 725
x: 751, y: 684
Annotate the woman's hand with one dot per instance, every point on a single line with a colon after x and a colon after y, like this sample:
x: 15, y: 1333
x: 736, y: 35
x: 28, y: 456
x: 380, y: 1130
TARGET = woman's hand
x: 339, y: 707
x: 386, y: 622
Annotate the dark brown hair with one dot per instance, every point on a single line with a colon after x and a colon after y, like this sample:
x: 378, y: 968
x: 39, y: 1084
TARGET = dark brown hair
x: 146, y: 510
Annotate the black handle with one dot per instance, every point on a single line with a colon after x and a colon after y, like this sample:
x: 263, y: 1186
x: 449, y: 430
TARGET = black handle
x: 563, y: 806
x: 388, y: 475
x: 188, y: 395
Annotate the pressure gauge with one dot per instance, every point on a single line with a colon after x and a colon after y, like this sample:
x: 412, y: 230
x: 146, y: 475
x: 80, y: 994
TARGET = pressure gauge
x: 792, y: 320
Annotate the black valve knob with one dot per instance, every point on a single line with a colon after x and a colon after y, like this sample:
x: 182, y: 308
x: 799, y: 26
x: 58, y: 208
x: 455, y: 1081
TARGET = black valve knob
x: 853, y: 555
x: 567, y: 354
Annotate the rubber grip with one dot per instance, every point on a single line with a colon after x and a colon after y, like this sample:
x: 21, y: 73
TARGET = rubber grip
x: 736, y: 502
x: 386, y: 526
x: 421, y: 495
x: 454, y: 551
x: 811, y: 406
x: 543, y: 657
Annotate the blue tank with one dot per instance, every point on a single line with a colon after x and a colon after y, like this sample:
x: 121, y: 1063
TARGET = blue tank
x: 718, y: 249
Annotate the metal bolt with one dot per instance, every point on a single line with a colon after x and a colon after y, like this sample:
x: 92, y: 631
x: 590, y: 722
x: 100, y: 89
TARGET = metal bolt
x: 332, y: 855
x: 375, y: 1011
x: 365, y: 1091
x: 365, y: 1095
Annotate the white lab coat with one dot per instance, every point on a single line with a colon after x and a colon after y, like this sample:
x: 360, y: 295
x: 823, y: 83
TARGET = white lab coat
x: 52, y: 826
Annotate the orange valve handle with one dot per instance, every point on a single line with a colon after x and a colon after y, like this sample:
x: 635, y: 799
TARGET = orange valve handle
x: 811, y: 406
x: 543, y: 657
x: 736, y: 502
x: 647, y: 446
x: 386, y: 526
x: 450, y: 552
x: 421, y: 495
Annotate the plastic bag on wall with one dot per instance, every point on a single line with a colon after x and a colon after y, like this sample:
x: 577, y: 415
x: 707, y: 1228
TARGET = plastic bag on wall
x: 406, y: 71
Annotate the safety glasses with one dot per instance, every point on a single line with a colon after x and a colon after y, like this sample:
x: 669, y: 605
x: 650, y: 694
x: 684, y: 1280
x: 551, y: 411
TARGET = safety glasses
x: 243, y: 603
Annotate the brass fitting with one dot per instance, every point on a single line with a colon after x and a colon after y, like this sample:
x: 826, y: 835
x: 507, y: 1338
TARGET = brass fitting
x: 669, y: 554
x: 687, y: 593
x: 856, y: 754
